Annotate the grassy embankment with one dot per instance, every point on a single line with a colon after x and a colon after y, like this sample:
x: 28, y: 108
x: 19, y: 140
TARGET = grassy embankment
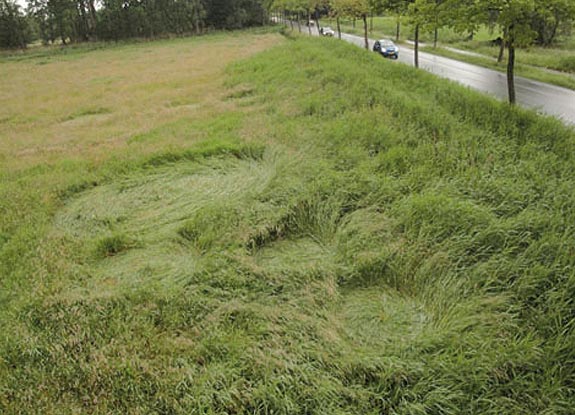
x: 534, y: 62
x: 327, y: 233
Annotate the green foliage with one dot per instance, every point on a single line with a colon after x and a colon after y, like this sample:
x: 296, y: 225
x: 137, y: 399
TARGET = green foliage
x: 82, y: 20
x: 15, y: 30
x: 351, y: 8
x: 234, y: 14
x: 150, y: 18
x: 566, y: 64
x: 550, y: 18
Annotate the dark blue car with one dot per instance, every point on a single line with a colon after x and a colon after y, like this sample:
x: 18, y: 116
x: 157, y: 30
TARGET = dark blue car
x: 386, y: 48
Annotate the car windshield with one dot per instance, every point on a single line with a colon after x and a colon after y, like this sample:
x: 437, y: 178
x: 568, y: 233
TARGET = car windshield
x: 387, y: 43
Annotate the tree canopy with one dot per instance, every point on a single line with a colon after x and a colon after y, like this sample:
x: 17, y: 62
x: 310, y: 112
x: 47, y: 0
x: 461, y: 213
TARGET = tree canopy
x: 15, y: 30
x: 82, y: 20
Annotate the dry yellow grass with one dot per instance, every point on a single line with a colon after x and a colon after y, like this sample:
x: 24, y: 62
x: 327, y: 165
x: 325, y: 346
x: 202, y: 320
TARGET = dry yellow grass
x: 88, y: 105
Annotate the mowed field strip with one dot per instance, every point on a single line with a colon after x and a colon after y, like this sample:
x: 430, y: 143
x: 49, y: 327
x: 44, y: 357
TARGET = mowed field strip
x: 90, y: 103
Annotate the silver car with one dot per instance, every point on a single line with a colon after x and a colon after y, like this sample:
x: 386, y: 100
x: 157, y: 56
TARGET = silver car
x: 327, y: 31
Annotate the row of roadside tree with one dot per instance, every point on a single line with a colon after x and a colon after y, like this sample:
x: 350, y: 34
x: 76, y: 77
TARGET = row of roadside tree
x: 520, y: 22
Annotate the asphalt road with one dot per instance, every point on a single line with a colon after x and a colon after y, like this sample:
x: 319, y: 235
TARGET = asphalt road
x: 542, y: 97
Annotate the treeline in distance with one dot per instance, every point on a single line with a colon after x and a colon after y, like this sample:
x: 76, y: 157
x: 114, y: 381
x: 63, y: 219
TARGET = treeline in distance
x: 86, y: 20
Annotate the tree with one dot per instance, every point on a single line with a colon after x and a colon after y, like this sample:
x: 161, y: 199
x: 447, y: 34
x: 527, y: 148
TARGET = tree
x: 419, y: 12
x: 514, y: 18
x: 429, y: 15
x: 336, y: 12
x: 294, y: 8
x: 399, y: 9
x: 376, y: 7
x: 438, y: 17
x: 549, y: 16
x: 234, y: 14
x: 313, y: 9
x: 55, y: 18
x: 464, y: 16
x: 15, y: 31
x: 356, y: 9
x: 81, y: 20
x: 298, y: 7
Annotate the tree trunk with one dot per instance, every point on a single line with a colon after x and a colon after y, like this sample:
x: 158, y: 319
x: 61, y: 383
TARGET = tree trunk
x: 501, y: 51
x: 502, y: 46
x: 511, y: 68
x: 397, y: 26
x: 298, y: 22
x: 435, y: 38
x: 82, y: 33
x: 338, y: 28
x: 316, y: 23
x: 364, y: 17
x: 291, y: 22
x: 93, y: 19
x: 308, y: 22
x: 416, y: 51
x: 551, y: 36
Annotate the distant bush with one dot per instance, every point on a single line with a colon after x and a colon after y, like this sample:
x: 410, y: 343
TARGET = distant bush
x: 567, y: 64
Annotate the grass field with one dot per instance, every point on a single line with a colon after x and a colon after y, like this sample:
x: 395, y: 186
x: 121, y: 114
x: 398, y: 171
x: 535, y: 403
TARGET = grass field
x: 305, y: 230
x: 88, y: 102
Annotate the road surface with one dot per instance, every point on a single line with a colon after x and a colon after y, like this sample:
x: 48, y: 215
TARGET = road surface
x: 542, y: 97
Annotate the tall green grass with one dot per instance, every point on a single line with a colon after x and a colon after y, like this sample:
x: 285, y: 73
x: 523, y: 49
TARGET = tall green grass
x: 383, y: 242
